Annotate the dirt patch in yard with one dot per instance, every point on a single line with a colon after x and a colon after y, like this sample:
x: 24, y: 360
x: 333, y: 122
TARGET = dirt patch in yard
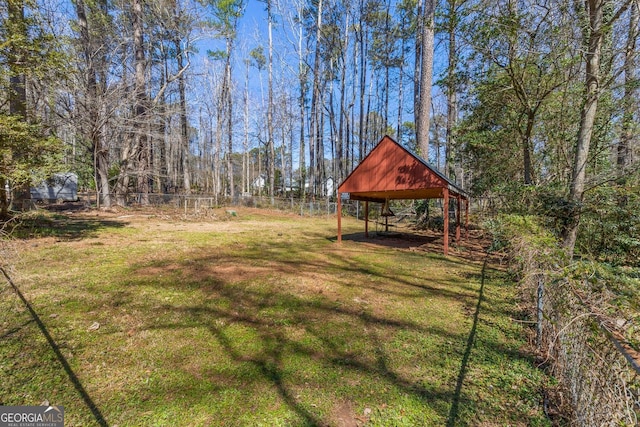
x: 343, y: 416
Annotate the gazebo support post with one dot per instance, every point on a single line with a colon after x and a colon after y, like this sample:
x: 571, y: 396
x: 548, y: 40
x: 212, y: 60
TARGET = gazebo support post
x: 466, y: 220
x: 445, y: 210
x: 366, y: 219
x: 339, y: 208
x: 458, y: 217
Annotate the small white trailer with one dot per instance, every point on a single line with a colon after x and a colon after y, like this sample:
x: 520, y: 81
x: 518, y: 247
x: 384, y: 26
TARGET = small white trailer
x: 61, y: 187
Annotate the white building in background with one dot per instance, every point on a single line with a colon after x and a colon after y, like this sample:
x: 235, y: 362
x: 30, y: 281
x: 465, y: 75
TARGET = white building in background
x: 260, y: 183
x: 61, y: 187
x: 329, y: 187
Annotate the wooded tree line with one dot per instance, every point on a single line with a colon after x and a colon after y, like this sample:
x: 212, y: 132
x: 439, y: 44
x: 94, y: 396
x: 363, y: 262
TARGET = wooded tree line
x: 534, y: 106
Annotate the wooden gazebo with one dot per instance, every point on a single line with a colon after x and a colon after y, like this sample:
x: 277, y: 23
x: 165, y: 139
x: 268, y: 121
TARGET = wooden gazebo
x: 391, y: 172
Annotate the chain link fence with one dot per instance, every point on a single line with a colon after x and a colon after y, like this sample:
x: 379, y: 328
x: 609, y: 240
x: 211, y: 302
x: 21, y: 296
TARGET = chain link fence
x: 583, y: 331
x: 198, y: 204
x: 584, y: 348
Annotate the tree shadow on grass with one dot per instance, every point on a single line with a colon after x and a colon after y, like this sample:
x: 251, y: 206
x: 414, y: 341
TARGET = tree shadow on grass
x: 16, y: 329
x: 453, y: 412
x: 226, y: 302
x: 311, y: 315
x: 95, y: 411
x: 270, y: 362
x: 62, y: 227
x: 259, y: 299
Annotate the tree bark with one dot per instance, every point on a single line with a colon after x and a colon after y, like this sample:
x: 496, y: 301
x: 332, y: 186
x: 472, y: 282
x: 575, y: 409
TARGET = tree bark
x: 526, y: 148
x: 270, y: 137
x: 315, y: 108
x: 245, y: 154
x: 630, y: 82
x: 340, y: 143
x: 17, y: 80
x: 217, y: 184
x: 94, y: 91
x: 401, y: 88
x: 229, y: 104
x: 587, y: 119
x: 140, y: 109
x: 426, y: 77
x: 17, y: 88
x: 184, y: 129
x: 363, y: 83
x: 302, y: 77
x: 452, y: 95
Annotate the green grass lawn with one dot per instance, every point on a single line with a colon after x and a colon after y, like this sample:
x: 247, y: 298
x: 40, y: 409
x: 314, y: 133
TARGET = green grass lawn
x: 260, y: 319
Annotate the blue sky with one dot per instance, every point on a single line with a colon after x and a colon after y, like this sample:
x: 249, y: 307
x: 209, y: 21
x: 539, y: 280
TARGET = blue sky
x: 252, y: 32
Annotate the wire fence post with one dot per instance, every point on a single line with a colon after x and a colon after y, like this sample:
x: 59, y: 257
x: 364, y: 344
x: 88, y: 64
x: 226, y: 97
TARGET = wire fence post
x: 540, y: 312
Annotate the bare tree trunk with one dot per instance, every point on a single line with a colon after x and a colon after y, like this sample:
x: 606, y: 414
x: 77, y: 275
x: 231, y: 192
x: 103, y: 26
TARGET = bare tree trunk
x: 140, y: 108
x: 245, y: 154
x: 218, y: 150
x: 350, y: 119
x: 426, y: 76
x: 17, y: 79
x: 526, y: 148
x: 302, y: 81
x: 341, y: 172
x: 102, y: 172
x: 416, y: 68
x: 122, y: 183
x: 17, y: 90
x: 452, y: 95
x: 184, y: 129
x: 363, y: 83
x: 587, y: 118
x: 436, y: 135
x: 630, y: 89
x: 387, y: 69
x: 260, y: 180
x: 332, y: 123
x: 92, y: 128
x: 222, y: 119
x: 4, y: 199
x: 400, y: 93
x: 123, y: 151
x: 210, y: 154
x: 315, y: 137
x: 320, y: 167
x: 367, y: 127
x: 283, y: 157
x: 272, y: 154
x: 291, y: 120
x: 163, y: 181
x: 229, y: 104
x: 301, y: 105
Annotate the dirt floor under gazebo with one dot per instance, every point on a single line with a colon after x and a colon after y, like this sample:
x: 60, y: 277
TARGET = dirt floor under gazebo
x: 472, y: 247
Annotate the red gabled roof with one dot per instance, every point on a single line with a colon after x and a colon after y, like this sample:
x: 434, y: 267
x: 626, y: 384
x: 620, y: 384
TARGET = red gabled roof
x: 392, y: 172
